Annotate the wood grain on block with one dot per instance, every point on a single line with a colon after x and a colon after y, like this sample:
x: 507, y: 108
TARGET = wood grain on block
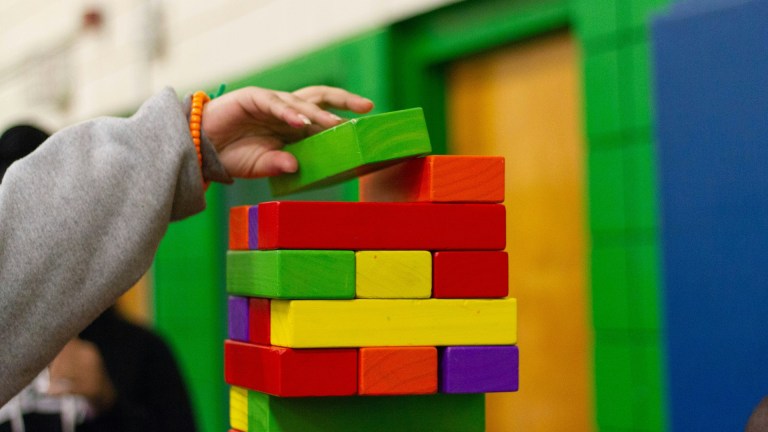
x: 393, y: 274
x: 295, y: 274
x: 386, y: 322
x: 237, y: 318
x: 258, y: 321
x: 444, y: 178
x: 470, y: 274
x: 412, y: 413
x: 381, y: 226
x: 238, y: 408
x: 354, y: 148
x: 479, y: 369
x: 289, y: 372
x: 238, y: 228
x: 397, y: 370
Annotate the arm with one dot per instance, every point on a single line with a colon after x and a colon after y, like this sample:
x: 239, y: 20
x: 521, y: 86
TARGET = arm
x: 80, y: 220
x: 81, y: 217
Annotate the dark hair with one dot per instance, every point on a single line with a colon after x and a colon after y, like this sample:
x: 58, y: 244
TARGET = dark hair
x: 17, y: 142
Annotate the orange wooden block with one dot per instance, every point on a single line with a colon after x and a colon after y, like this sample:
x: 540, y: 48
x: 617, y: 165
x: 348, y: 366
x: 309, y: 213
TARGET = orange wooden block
x: 397, y: 370
x: 437, y: 179
x: 238, y: 227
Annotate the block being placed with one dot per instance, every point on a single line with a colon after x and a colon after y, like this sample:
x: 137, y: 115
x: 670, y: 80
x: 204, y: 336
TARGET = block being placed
x: 237, y: 318
x: 380, y: 226
x: 241, y: 218
x: 385, y: 322
x: 393, y: 274
x: 470, y: 274
x: 288, y: 372
x: 258, y: 321
x: 397, y: 370
x: 238, y: 408
x: 296, y: 274
x: 354, y: 148
x: 417, y: 413
x: 479, y: 369
x: 437, y: 179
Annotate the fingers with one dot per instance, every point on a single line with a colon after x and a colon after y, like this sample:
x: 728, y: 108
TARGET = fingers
x: 333, y: 97
x: 246, y: 160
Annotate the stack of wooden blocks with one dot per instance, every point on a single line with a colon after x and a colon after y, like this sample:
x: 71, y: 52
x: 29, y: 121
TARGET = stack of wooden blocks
x: 389, y: 314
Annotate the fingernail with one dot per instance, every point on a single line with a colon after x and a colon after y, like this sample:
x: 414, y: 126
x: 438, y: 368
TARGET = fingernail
x: 305, y: 119
x: 334, y: 116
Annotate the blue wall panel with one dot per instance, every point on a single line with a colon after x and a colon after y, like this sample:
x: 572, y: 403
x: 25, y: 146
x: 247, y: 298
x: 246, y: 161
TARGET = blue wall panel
x: 711, y: 62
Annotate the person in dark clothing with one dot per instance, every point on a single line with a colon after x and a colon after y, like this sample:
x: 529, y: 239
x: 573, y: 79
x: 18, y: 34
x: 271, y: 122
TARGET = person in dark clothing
x: 115, y: 376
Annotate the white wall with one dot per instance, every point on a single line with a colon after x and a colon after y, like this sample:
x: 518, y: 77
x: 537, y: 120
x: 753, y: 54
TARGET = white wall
x: 54, y: 73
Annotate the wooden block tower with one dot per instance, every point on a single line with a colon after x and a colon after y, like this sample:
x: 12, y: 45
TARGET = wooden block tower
x: 389, y: 314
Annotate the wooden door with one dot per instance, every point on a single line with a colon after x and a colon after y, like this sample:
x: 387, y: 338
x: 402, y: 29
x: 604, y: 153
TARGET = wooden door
x: 523, y: 102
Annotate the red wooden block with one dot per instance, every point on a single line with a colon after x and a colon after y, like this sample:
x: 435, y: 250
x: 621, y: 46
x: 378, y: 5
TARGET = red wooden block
x: 470, y: 274
x: 380, y: 226
x: 238, y: 228
x: 397, y: 370
x: 444, y: 178
x: 259, y: 321
x: 291, y: 372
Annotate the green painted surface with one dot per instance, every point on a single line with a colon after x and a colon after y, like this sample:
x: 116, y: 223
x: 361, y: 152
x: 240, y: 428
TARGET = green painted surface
x: 189, y: 306
x: 602, y: 94
x: 606, y: 189
x: 596, y: 18
x: 610, y: 289
x: 614, y: 378
x: 635, y: 84
x: 292, y: 274
x: 641, y: 203
x: 650, y: 390
x: 643, y: 284
x: 639, y: 12
x: 439, y: 412
x: 354, y: 148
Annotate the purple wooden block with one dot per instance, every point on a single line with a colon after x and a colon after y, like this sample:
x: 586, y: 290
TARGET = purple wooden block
x: 253, y: 232
x: 479, y: 369
x: 238, y: 318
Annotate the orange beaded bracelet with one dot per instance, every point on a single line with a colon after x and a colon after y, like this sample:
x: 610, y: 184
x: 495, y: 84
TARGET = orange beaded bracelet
x: 195, y: 121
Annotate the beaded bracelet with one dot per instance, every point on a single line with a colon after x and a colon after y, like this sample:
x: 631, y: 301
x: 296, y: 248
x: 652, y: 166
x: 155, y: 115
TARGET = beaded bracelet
x: 195, y: 121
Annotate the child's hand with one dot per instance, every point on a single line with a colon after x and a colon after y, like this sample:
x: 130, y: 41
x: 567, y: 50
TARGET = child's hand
x: 250, y: 126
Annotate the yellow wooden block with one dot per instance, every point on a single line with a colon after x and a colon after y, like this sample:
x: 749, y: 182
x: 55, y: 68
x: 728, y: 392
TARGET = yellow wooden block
x: 238, y: 408
x: 393, y: 274
x: 368, y: 322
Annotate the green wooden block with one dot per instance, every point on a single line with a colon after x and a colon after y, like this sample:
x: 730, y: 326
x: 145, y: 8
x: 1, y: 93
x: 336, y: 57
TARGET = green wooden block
x: 602, y: 88
x: 606, y: 189
x: 614, y: 381
x: 610, y: 288
x: 641, y: 188
x: 291, y: 274
x: 438, y: 412
x: 354, y: 148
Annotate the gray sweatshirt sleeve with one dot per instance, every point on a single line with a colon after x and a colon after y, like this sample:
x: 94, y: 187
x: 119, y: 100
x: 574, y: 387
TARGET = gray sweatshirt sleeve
x: 80, y: 221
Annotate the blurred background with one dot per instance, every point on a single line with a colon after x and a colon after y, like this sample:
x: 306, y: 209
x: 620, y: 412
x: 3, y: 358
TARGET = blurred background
x: 633, y: 133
